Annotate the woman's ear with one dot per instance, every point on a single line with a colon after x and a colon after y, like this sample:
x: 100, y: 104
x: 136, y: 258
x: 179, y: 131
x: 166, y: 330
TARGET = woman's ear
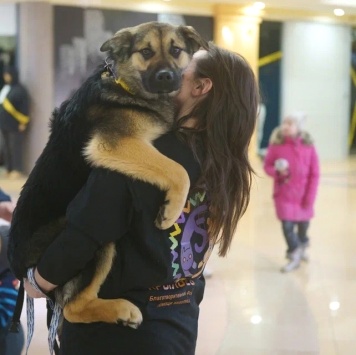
x: 202, y: 86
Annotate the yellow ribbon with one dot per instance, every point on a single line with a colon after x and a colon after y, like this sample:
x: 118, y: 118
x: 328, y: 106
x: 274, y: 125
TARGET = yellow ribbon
x: 23, y: 119
x: 353, y: 75
x: 268, y: 59
x: 123, y: 85
x: 352, y: 131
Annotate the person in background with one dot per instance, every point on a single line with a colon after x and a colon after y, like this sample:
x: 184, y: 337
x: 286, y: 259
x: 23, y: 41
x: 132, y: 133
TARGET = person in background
x: 261, y: 120
x: 292, y: 162
x: 6, y: 206
x: 14, y: 110
x: 2, y: 65
x: 10, y: 343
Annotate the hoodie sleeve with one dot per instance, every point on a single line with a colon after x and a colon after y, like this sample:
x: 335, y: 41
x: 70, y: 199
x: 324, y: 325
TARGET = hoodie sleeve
x: 99, y: 214
x: 268, y: 164
x: 313, y: 180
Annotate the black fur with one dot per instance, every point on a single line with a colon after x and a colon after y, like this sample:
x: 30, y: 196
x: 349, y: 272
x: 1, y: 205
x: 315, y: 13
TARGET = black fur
x: 100, y: 106
x: 58, y: 175
x: 61, y: 170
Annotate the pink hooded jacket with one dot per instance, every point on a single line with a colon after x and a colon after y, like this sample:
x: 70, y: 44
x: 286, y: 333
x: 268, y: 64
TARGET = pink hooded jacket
x: 294, y: 195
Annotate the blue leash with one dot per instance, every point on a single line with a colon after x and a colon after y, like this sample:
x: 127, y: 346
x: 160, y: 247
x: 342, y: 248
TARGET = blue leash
x: 57, y: 313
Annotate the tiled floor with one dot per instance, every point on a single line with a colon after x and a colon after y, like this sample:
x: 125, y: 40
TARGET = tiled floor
x: 250, y: 308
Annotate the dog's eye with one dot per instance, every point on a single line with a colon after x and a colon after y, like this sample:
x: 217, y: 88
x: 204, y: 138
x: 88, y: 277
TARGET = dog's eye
x: 146, y: 53
x: 175, y: 51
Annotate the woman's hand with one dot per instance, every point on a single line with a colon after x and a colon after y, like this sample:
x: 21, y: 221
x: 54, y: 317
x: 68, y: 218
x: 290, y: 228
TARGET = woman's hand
x: 31, y: 291
x: 43, y: 284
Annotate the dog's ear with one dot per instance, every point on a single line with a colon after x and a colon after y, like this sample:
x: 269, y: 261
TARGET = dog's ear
x: 120, y: 44
x: 193, y: 39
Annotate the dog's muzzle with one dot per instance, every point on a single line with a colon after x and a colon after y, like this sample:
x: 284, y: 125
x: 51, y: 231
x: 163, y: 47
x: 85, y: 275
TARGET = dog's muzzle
x: 162, y: 81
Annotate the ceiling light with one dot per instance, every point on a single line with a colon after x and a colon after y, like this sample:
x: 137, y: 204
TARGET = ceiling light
x: 227, y: 35
x: 256, y: 319
x: 342, y: 3
x: 339, y: 12
x: 334, y: 306
x: 259, y: 5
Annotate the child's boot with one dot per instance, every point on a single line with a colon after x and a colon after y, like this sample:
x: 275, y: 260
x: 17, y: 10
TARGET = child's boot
x: 294, y: 260
x: 305, y: 256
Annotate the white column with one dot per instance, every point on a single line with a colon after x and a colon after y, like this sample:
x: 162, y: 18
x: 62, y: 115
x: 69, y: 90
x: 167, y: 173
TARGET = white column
x: 316, y: 79
x: 35, y: 40
x: 7, y: 19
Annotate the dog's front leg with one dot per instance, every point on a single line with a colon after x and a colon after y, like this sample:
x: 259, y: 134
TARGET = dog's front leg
x: 86, y: 307
x: 139, y: 159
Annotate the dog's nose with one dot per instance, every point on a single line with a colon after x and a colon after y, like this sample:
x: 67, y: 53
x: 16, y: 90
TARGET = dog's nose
x: 165, y: 76
x: 162, y: 81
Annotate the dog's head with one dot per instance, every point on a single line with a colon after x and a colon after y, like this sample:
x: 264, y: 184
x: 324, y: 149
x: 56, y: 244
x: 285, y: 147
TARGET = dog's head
x: 148, y: 59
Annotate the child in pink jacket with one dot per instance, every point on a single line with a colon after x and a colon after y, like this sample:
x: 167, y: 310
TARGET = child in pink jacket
x: 292, y: 162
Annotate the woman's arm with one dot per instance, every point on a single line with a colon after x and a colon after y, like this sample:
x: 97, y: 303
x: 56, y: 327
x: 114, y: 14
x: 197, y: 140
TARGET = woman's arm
x: 98, y: 215
x: 43, y: 284
x: 67, y: 256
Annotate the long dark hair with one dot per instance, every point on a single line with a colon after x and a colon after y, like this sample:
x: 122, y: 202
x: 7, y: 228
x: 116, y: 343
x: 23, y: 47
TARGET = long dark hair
x: 226, y: 120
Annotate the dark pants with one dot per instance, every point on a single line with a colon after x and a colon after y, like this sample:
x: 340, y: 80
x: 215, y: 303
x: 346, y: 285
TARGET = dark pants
x: 12, y: 145
x: 295, y: 234
x: 12, y: 343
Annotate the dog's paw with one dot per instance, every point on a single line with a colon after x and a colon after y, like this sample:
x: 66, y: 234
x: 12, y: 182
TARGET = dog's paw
x: 160, y: 221
x: 176, y: 196
x: 168, y: 214
x: 128, y: 314
x: 164, y: 224
x: 83, y: 310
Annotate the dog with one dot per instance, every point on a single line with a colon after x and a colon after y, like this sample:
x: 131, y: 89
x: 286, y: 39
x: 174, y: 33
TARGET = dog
x: 109, y: 122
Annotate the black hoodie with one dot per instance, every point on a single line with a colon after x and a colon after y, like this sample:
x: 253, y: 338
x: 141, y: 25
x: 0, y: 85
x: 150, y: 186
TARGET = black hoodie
x: 160, y: 271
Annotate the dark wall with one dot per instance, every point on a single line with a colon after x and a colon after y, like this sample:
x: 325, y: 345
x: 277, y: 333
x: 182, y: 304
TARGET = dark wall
x: 352, y: 142
x: 7, y: 54
x: 79, y: 33
x: 270, y: 77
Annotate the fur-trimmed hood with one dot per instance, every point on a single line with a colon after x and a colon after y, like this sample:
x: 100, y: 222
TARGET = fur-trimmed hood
x: 277, y: 137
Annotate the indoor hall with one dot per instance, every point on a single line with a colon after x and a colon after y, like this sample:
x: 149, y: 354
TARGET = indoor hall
x: 250, y: 307
x: 305, y: 60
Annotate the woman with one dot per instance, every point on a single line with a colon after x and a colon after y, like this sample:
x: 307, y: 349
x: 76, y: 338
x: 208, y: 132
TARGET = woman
x: 161, y: 271
x: 14, y: 110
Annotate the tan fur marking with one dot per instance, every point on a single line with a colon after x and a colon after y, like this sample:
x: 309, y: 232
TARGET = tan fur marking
x: 102, y: 269
x: 87, y: 308
x: 152, y: 41
x: 140, y: 160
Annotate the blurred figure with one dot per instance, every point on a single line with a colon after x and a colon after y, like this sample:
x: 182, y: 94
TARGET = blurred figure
x: 2, y: 64
x: 292, y: 162
x: 14, y: 109
x: 261, y: 119
x: 10, y: 343
x: 6, y: 207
